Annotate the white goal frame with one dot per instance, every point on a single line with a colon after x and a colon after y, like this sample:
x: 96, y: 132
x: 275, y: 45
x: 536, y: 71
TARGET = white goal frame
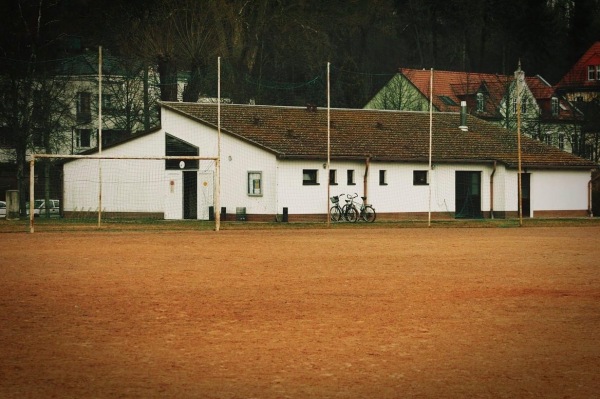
x: 35, y: 157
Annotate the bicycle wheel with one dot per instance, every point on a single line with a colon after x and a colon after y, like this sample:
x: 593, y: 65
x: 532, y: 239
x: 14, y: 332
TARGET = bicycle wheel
x: 344, y: 211
x: 351, y: 214
x: 369, y: 214
x: 335, y: 213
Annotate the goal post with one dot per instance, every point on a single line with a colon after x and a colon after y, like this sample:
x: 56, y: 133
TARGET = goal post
x: 101, y: 188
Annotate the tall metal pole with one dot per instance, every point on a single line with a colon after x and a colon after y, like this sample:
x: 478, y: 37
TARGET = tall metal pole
x: 31, y: 194
x: 519, y: 75
x: 328, y: 145
x: 218, y: 160
x: 430, y: 144
x: 99, y: 135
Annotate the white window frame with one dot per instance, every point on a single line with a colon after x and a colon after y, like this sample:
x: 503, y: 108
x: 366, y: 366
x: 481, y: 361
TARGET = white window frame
x: 255, y: 186
x: 78, y: 138
x: 561, y: 141
x: 591, y: 72
x: 555, y: 106
x: 480, y: 102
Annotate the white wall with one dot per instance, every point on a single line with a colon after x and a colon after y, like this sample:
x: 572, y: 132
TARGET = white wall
x: 282, y: 184
x: 139, y: 187
x: 238, y: 157
x: 559, y: 190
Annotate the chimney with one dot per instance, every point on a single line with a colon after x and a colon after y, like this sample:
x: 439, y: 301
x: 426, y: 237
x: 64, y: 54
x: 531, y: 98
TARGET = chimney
x: 463, y: 116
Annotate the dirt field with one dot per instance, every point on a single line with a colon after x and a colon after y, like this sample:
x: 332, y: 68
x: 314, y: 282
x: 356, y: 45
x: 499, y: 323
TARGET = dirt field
x: 377, y: 313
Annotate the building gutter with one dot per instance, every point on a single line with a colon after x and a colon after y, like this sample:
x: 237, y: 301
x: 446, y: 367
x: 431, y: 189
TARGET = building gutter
x: 492, y: 191
x: 365, y: 177
x: 590, y: 184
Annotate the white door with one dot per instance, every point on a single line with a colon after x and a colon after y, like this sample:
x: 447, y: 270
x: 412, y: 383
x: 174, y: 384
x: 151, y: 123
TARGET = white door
x: 205, y: 194
x: 174, y: 195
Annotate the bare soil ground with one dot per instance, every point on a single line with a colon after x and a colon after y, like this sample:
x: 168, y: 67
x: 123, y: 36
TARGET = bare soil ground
x: 343, y: 313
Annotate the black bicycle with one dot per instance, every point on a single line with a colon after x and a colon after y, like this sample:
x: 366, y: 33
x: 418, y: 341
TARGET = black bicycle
x: 364, y: 211
x: 345, y: 213
x: 335, y: 212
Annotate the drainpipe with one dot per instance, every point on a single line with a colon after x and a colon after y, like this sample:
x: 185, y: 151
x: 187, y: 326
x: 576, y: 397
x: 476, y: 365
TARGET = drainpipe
x: 365, y: 177
x: 492, y: 191
x: 590, y: 183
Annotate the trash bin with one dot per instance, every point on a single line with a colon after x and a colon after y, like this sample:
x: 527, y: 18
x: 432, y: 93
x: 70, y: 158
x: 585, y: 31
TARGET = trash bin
x: 240, y: 214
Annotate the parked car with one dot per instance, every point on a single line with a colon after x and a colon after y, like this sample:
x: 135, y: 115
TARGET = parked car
x: 39, y: 208
x: 2, y: 209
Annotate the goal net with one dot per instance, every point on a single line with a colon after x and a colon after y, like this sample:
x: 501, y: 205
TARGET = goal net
x: 95, y: 189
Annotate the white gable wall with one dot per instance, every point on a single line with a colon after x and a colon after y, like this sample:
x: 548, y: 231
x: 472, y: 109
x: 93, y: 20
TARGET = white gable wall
x: 559, y: 190
x: 237, y: 159
x: 134, y: 194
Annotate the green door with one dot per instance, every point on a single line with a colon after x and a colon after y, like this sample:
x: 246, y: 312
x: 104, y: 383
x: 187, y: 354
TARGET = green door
x: 468, y: 195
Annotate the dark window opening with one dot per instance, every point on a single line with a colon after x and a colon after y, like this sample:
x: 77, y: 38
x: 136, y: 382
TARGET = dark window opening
x: 350, y: 177
x: 382, y: 178
x: 420, y: 178
x: 309, y: 177
x: 176, y: 147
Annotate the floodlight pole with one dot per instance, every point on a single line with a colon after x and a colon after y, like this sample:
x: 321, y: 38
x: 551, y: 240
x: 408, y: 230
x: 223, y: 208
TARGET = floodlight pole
x: 31, y: 193
x: 218, y: 160
x: 519, y: 77
x: 99, y: 135
x: 430, y: 144
x: 328, y: 145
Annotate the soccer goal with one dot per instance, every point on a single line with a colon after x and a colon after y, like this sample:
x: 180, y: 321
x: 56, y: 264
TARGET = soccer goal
x: 103, y: 189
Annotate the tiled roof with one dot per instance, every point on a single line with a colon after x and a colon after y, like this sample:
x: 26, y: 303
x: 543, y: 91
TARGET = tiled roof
x: 459, y: 85
x: 464, y: 86
x: 296, y: 132
x: 577, y: 77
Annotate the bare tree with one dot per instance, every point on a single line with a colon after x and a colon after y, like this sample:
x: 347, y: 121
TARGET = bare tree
x: 34, y: 109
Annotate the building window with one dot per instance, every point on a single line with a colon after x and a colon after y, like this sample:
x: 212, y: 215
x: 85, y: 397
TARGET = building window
x: 108, y: 103
x: 480, y: 102
x: 83, y: 138
x: 332, y: 177
x: 448, y: 101
x: 255, y: 183
x: 575, y: 144
x: 597, y: 72
x: 420, y: 178
x: 175, y: 146
x: 548, y: 138
x: 309, y: 177
x: 523, y: 105
x: 84, y: 110
x: 350, y: 177
x: 383, y: 178
x: 555, y: 106
x: 561, y: 141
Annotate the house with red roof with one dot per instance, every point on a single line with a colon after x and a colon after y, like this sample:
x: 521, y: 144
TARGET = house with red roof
x: 545, y: 115
x: 290, y: 160
x: 581, y: 86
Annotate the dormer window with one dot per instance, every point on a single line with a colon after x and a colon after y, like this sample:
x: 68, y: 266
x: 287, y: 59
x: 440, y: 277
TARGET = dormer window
x: 555, y: 106
x: 480, y: 102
